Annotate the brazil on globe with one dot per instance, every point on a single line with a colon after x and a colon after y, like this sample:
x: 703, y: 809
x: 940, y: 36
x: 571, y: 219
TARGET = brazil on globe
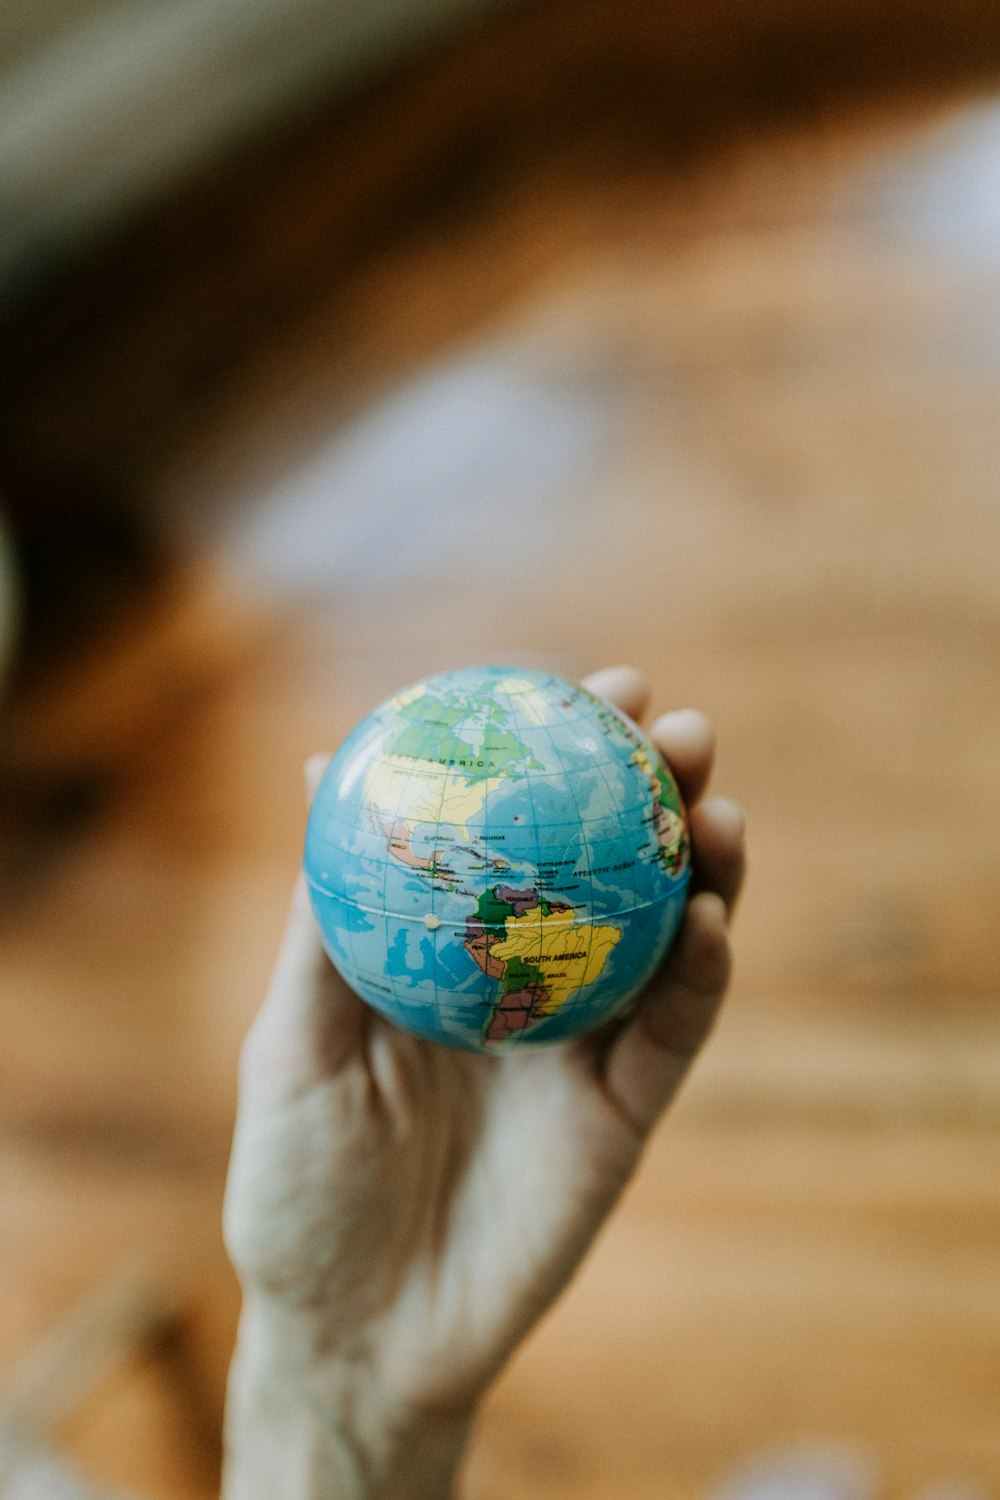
x: 497, y: 858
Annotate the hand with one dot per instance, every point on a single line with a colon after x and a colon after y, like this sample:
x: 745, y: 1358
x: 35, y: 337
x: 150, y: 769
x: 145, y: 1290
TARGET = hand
x: 400, y: 1214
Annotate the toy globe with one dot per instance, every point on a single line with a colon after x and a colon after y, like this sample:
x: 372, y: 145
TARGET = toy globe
x: 497, y: 859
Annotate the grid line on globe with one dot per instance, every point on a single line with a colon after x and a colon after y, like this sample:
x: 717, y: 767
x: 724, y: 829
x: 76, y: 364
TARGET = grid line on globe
x: 497, y: 859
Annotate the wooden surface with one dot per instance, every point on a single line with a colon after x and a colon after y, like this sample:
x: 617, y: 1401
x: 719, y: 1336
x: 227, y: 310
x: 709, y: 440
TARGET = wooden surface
x: 732, y: 416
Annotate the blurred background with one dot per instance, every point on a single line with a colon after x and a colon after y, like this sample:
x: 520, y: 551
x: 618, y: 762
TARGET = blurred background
x: 342, y: 344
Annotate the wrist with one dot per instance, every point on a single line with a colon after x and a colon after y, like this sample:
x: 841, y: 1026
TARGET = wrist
x: 310, y: 1423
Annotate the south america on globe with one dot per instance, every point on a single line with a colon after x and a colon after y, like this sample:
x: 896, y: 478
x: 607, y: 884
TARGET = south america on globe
x: 497, y: 858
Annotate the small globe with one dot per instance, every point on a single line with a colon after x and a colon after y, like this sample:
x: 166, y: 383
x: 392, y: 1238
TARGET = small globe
x: 497, y: 859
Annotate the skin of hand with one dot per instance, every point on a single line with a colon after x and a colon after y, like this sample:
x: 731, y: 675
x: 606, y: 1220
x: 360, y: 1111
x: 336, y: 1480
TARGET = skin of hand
x: 400, y: 1214
x: 27, y: 1468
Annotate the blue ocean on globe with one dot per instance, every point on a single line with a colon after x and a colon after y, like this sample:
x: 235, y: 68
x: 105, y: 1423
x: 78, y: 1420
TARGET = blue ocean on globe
x: 497, y: 858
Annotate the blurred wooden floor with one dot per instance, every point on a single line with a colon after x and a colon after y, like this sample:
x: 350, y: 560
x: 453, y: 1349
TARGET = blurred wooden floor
x: 733, y: 416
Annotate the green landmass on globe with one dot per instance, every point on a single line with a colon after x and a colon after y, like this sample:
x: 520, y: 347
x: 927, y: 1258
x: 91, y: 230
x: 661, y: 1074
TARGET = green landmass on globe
x: 497, y: 858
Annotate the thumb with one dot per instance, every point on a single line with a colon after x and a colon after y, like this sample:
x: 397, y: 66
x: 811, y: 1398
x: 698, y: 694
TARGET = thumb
x: 313, y: 772
x: 311, y: 1022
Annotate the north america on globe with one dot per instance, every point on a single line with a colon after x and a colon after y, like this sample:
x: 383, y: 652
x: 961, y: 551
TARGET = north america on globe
x: 497, y: 858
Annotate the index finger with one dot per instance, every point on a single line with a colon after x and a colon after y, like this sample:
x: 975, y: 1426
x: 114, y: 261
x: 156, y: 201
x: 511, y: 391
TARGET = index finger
x: 686, y: 740
x: 626, y: 687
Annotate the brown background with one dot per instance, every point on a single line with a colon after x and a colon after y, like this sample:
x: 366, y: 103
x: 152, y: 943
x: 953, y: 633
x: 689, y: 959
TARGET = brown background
x: 609, y: 333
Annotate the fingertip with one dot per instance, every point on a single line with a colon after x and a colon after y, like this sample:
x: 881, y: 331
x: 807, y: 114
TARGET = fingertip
x: 678, y: 1013
x: 728, y: 817
x: 313, y: 772
x: 702, y: 958
x: 718, y: 837
x: 707, y: 914
x: 685, y: 738
x: 625, y: 686
x: 685, y: 729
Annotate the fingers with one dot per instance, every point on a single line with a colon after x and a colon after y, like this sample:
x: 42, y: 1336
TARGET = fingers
x: 313, y: 771
x: 625, y: 687
x: 648, y: 1061
x: 686, y: 740
x: 718, y: 829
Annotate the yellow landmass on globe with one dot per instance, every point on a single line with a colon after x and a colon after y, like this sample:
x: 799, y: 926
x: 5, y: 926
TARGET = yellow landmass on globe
x: 418, y: 791
x: 642, y: 760
x: 568, y: 955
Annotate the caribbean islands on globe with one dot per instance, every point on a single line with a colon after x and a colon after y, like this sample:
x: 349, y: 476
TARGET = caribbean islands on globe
x: 497, y: 858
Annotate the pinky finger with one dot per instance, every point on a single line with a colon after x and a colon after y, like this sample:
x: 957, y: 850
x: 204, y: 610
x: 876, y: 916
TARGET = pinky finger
x: 648, y: 1061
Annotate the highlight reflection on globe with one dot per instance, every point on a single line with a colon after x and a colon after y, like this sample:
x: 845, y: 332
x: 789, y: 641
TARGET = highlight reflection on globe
x: 497, y: 858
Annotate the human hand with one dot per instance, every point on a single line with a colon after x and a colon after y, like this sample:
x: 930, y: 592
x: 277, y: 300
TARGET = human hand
x: 401, y: 1214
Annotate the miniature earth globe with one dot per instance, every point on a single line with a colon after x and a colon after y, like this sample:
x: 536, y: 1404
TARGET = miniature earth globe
x: 497, y: 858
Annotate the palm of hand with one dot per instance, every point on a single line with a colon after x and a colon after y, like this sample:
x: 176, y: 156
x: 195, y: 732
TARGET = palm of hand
x: 425, y: 1205
x: 419, y: 1208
